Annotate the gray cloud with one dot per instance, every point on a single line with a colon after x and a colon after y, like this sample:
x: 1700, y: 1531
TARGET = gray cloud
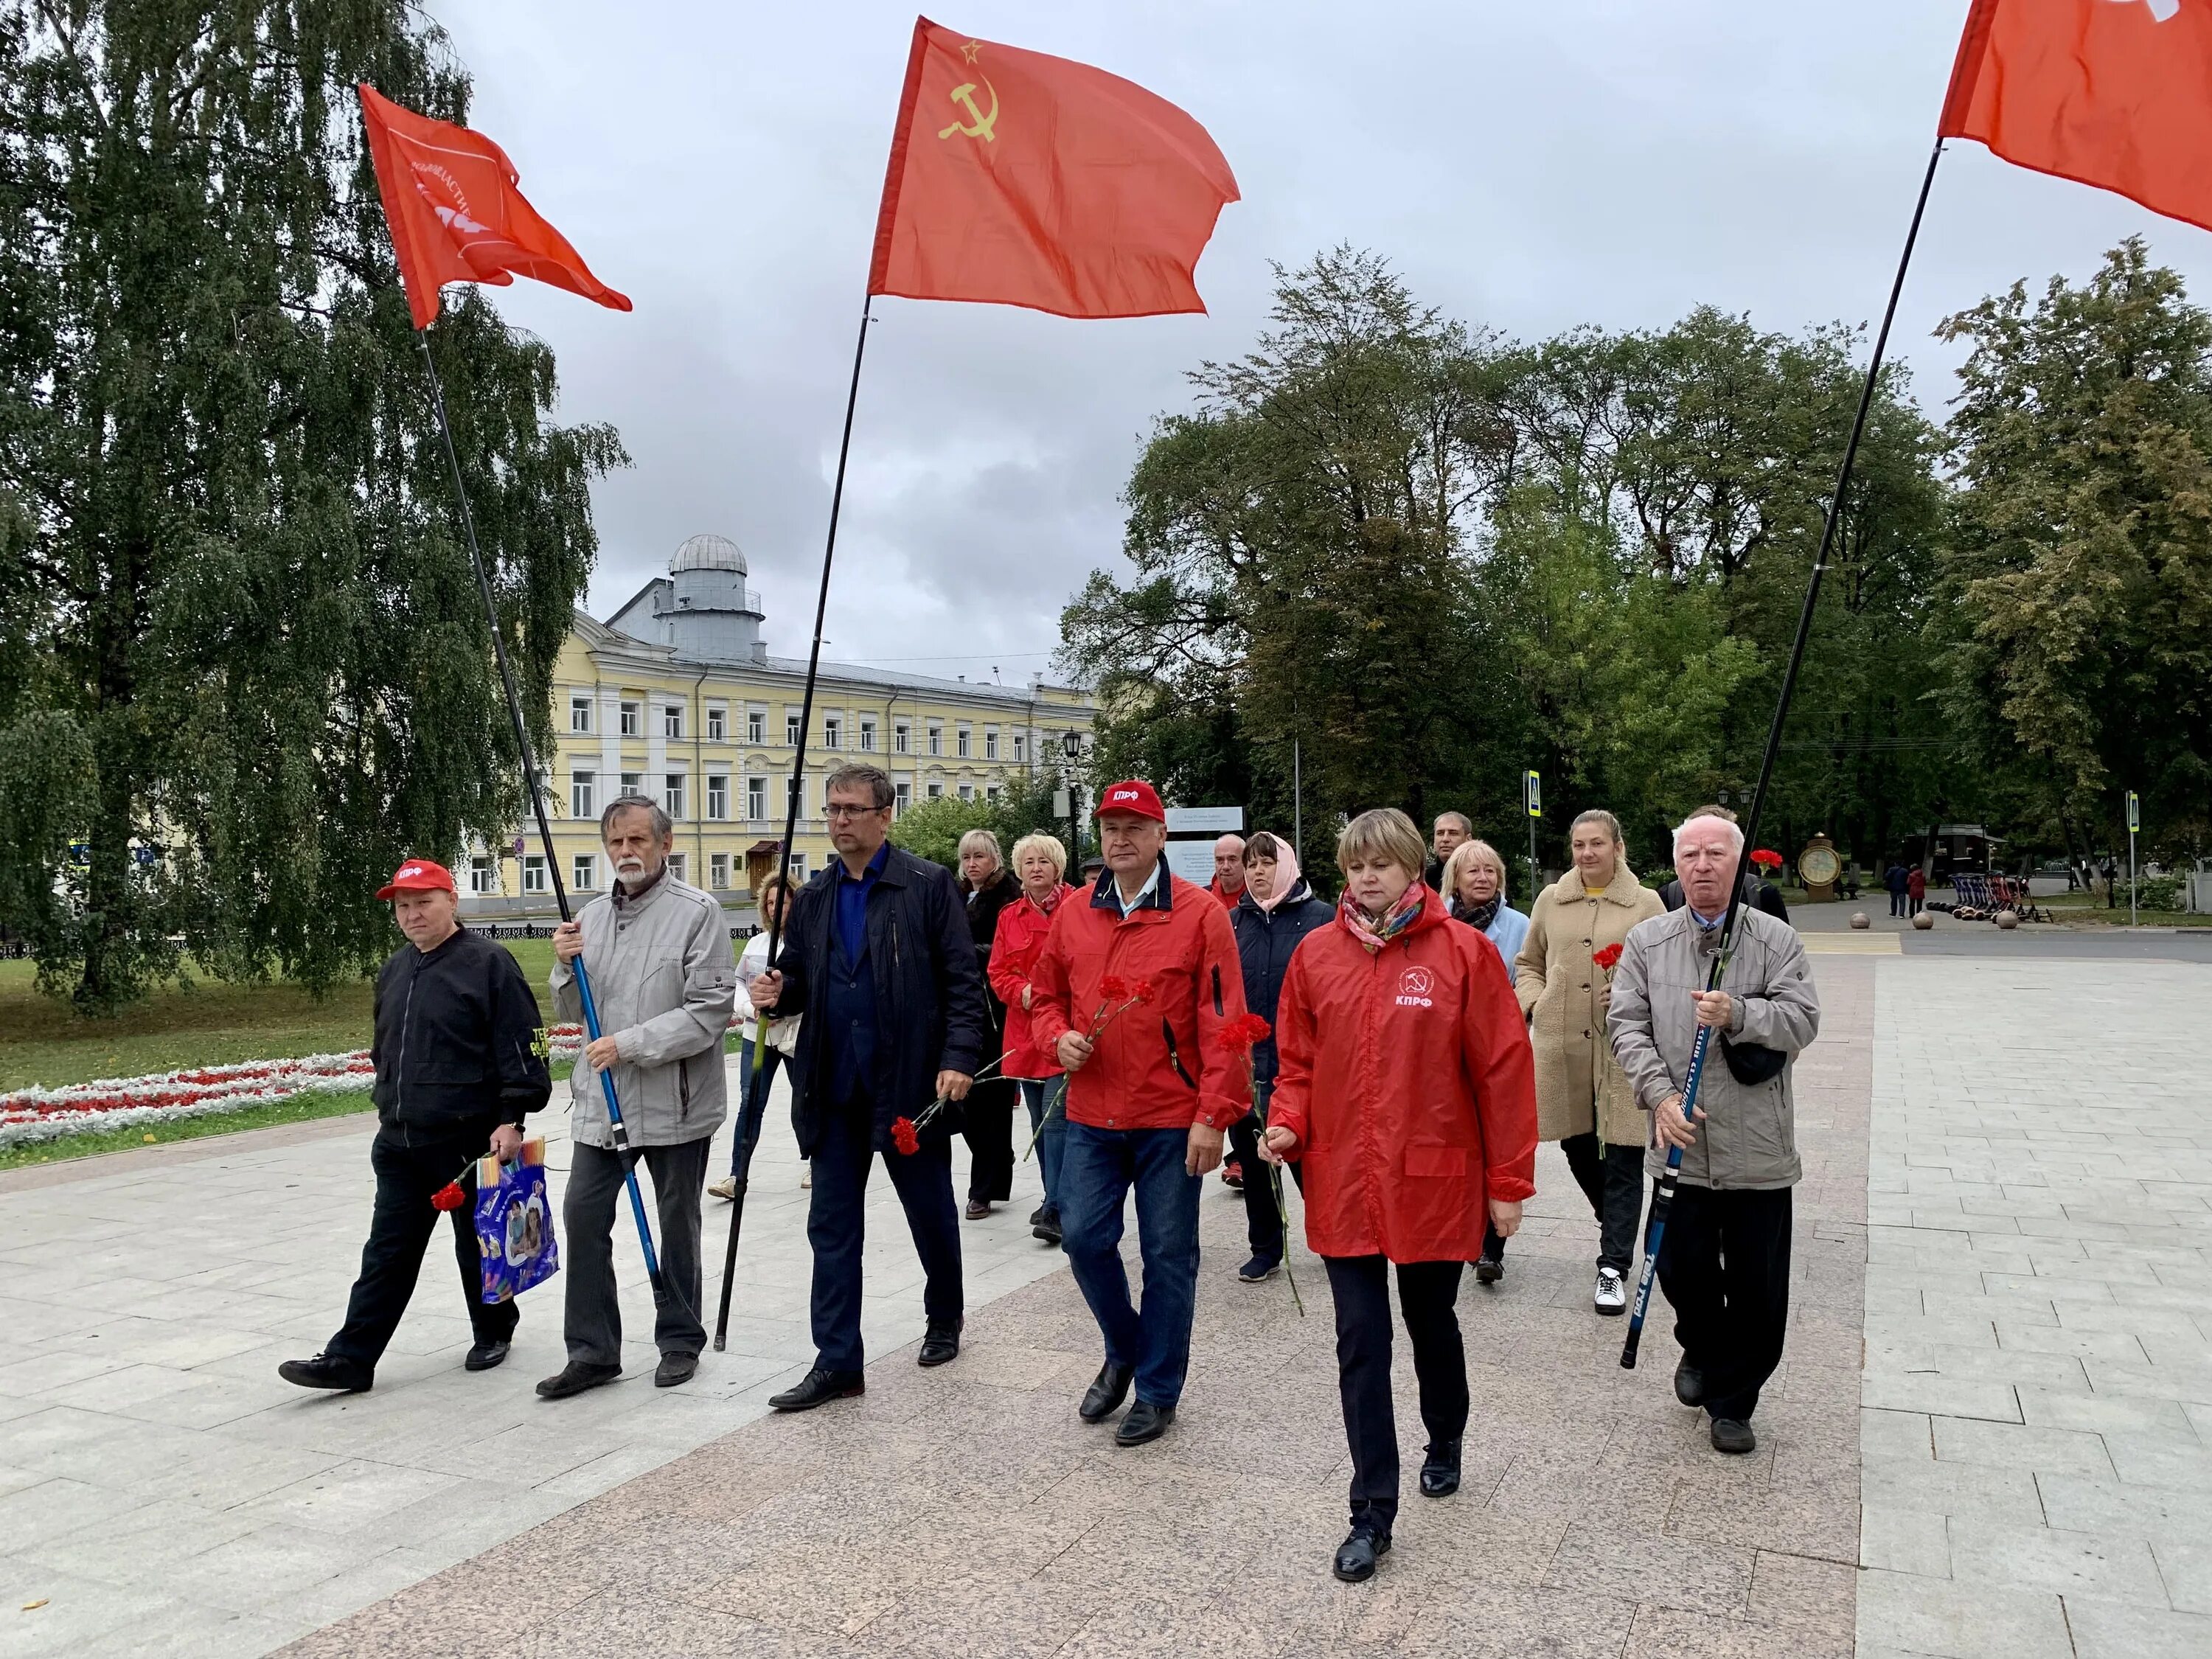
x: 1530, y: 164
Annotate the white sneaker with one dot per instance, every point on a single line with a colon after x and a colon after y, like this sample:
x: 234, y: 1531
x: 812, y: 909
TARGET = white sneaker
x: 1611, y: 1295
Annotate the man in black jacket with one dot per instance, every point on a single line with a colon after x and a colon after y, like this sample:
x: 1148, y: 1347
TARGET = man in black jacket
x: 458, y: 1064
x: 879, y: 960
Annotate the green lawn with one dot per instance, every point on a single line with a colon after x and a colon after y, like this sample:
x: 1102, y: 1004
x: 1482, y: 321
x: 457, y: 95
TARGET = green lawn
x: 2081, y: 910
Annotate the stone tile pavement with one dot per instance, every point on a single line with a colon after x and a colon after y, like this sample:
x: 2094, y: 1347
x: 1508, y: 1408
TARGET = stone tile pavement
x: 2038, y: 1426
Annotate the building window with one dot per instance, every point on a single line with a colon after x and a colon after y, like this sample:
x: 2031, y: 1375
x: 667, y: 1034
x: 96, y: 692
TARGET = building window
x: 867, y: 737
x: 756, y: 726
x: 937, y: 792
x: 717, y: 795
x: 483, y: 875
x: 672, y: 721
x: 833, y: 733
x: 718, y: 871
x: 533, y: 873
x: 580, y: 803
x: 677, y: 866
x: 902, y: 737
x: 902, y: 798
x: 966, y: 792
x: 631, y: 720
x: 936, y: 738
x: 718, y: 725
x: 1019, y: 746
x: 991, y: 793
x: 756, y: 799
x: 798, y: 869
x: 791, y: 731
x: 585, y: 874
x: 633, y: 783
x: 671, y: 794
x: 990, y: 743
x: 963, y: 737
x: 579, y: 713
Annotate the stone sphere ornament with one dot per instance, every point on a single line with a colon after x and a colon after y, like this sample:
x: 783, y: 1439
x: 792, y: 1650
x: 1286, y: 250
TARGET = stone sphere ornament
x: 2008, y: 919
x: 1859, y: 920
x: 1924, y: 921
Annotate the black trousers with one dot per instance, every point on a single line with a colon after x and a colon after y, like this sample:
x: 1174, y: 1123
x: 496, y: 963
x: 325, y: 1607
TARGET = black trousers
x: 1613, y: 1181
x: 1897, y: 903
x: 987, y: 1124
x: 596, y: 1190
x: 1427, y: 1291
x: 1263, y: 1220
x: 1725, y: 1265
x: 837, y: 1228
x: 399, y: 1231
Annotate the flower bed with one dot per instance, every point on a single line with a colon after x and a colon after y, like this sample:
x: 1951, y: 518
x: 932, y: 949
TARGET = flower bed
x: 28, y: 1114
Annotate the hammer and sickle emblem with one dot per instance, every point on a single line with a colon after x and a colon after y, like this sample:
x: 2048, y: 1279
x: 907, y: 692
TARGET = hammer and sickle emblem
x: 979, y: 123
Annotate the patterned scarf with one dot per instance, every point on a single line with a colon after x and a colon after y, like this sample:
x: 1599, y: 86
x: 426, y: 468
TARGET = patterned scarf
x: 1374, y: 936
x: 1479, y: 916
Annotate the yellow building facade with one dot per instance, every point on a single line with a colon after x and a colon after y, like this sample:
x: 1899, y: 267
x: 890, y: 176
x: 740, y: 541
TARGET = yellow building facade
x: 675, y: 696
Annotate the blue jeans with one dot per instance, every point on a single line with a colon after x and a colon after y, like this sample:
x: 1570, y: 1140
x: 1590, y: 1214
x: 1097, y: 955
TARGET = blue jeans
x: 1097, y: 1170
x: 1048, y: 1104
x: 750, y: 1111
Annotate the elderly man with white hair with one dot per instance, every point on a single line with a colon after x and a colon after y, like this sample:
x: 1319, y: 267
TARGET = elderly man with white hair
x: 1724, y: 1263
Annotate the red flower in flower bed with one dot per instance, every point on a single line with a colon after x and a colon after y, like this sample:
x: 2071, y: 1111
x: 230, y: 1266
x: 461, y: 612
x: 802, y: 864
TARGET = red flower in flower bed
x: 1767, y: 859
x: 904, y: 1136
x: 1608, y: 958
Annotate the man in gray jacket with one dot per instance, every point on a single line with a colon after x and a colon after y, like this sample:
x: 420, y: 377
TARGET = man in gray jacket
x: 665, y: 980
x: 1724, y: 1263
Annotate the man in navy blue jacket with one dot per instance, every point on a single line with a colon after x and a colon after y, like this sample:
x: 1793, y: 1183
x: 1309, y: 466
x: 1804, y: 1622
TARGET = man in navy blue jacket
x: 879, y: 959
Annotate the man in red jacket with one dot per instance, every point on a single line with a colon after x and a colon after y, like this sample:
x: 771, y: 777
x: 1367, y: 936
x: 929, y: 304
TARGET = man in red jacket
x: 1132, y: 987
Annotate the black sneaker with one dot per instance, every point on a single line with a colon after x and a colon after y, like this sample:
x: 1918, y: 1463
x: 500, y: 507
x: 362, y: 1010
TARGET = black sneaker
x: 328, y: 1371
x: 1037, y: 1215
x: 1049, y: 1228
x: 1489, y: 1270
x: 485, y: 1355
x: 1689, y: 1385
x: 1734, y: 1435
x: 1258, y: 1271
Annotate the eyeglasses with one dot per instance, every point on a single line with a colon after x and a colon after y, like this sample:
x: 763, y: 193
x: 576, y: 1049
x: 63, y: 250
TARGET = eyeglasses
x: 838, y: 809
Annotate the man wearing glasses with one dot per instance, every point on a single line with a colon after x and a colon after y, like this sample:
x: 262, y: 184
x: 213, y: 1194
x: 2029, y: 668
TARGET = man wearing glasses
x: 878, y: 958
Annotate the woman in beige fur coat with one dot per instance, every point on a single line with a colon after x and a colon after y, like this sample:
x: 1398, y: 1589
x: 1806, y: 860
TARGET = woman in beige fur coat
x: 1583, y: 1100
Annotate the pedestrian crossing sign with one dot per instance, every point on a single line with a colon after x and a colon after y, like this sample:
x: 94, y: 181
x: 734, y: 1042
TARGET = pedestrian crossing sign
x: 1532, y: 788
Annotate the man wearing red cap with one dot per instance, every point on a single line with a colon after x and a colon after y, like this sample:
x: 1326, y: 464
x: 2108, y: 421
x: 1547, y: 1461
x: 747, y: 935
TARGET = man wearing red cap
x: 1133, y: 989
x: 458, y: 1065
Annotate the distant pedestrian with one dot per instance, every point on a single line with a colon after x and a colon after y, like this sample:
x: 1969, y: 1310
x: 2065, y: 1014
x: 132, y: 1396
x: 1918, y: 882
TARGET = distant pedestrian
x: 1405, y: 1089
x: 1894, y: 878
x: 1475, y: 891
x: 1916, y: 889
x: 1277, y: 910
x: 1228, y: 883
x: 1724, y: 1263
x: 1582, y: 1101
x: 458, y: 1053
x: 1040, y: 861
x: 752, y: 1106
x: 1151, y: 1093
x: 880, y: 960
x: 664, y: 981
x: 986, y: 1116
x: 1451, y: 831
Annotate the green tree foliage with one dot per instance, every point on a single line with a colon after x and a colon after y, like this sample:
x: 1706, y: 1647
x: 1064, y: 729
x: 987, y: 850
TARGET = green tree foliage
x: 247, y: 667
x: 1435, y: 558
x: 931, y: 829
x: 2079, y: 563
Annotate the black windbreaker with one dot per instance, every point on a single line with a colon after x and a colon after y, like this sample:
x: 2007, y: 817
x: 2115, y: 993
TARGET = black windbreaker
x: 458, y: 1035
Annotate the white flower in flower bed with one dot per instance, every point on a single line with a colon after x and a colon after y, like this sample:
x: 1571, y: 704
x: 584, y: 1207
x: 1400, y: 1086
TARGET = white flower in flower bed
x: 122, y: 1103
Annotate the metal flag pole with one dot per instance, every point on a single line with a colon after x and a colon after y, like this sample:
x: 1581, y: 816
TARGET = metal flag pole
x: 1663, y: 1200
x: 756, y: 1093
x: 617, y: 1127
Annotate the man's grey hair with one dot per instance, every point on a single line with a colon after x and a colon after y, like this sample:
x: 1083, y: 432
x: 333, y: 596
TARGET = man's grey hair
x: 1466, y: 823
x: 663, y: 825
x: 860, y: 776
x: 1734, y: 830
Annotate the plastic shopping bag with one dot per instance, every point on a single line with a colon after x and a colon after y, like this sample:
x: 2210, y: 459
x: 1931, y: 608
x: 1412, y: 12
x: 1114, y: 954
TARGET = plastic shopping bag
x: 514, y: 1224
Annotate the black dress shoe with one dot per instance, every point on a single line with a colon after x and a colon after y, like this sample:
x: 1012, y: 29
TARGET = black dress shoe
x: 327, y: 1371
x: 1734, y: 1435
x: 1037, y: 1215
x: 819, y: 1387
x: 577, y: 1377
x: 1049, y: 1229
x: 1357, y: 1555
x: 1145, y: 1422
x: 675, y: 1368
x: 941, y: 1344
x: 1689, y: 1385
x: 1489, y: 1270
x: 485, y: 1355
x: 1440, y: 1472
x: 1106, y: 1393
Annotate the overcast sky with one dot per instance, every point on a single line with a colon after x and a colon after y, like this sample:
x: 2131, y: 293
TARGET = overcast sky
x: 1531, y: 164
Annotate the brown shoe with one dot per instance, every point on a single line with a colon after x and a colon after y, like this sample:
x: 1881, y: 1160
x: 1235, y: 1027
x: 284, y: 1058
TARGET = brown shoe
x: 978, y: 1208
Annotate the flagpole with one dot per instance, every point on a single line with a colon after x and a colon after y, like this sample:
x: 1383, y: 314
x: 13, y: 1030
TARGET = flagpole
x: 749, y: 1119
x: 619, y: 1131
x: 1663, y: 1200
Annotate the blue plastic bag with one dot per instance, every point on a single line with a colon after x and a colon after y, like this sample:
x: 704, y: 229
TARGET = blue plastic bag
x: 514, y: 1224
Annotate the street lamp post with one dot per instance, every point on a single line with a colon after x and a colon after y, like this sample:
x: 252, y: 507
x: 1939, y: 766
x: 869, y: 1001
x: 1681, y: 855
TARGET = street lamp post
x: 1072, y: 747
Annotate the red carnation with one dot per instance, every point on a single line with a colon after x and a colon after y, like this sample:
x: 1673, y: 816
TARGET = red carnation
x: 1239, y: 1034
x: 1767, y: 858
x: 1113, y: 988
x: 1141, y: 991
x: 449, y: 1197
x: 903, y: 1136
x: 1608, y: 957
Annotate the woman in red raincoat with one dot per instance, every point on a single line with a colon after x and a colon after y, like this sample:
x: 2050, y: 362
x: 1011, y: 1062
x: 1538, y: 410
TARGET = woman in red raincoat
x: 1406, y: 1086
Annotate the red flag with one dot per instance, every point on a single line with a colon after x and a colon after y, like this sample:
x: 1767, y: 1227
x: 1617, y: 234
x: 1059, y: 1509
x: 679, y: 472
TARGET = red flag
x: 2112, y: 93
x: 456, y: 217
x: 1021, y: 179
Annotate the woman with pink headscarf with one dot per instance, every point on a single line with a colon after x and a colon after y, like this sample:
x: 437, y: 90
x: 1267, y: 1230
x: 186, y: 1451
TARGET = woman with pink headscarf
x: 1276, y: 909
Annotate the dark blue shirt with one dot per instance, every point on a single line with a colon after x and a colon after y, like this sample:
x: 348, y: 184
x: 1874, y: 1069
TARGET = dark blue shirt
x: 852, y: 916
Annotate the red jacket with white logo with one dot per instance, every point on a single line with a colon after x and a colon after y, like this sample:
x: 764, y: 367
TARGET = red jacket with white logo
x: 1157, y: 1065
x: 1022, y: 926
x: 1407, y: 1078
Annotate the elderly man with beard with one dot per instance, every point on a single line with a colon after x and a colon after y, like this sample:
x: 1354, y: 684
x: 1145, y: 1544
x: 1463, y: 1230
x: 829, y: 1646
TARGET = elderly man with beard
x: 1724, y: 1263
x: 665, y: 980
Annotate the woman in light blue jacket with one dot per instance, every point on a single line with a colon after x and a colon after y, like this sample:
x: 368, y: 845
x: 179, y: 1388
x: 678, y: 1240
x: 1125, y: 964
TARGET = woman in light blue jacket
x: 1475, y: 888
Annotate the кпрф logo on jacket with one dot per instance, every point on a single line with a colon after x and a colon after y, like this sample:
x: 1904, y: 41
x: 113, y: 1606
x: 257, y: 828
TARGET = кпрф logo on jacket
x: 1414, y: 986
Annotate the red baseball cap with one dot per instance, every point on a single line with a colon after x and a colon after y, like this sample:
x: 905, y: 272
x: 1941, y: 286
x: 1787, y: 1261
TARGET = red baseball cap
x: 419, y: 875
x: 1134, y: 795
